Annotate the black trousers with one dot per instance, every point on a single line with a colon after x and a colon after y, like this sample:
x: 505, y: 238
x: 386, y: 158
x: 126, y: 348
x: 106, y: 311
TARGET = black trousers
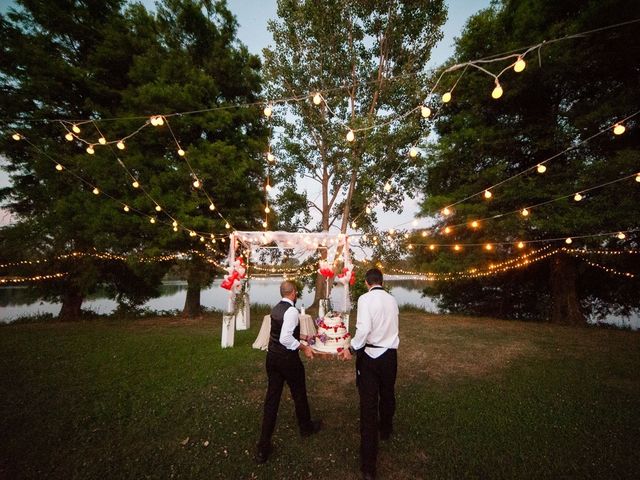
x: 376, y: 380
x: 280, y: 369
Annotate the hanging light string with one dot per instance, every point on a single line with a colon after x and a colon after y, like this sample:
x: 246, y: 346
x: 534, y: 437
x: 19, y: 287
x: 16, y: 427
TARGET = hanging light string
x: 73, y: 132
x: 35, y: 278
x: 608, y: 269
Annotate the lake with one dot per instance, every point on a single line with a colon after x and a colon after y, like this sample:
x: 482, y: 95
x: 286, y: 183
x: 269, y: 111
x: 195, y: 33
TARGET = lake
x: 20, y: 301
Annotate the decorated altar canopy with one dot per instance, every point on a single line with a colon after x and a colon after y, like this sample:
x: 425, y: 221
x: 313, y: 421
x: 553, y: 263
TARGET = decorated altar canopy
x: 301, y: 246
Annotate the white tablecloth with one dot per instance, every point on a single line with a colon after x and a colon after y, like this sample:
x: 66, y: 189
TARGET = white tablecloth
x: 307, y: 329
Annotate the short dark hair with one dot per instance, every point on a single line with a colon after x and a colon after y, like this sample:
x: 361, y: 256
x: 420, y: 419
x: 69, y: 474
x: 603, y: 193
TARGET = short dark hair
x: 286, y: 288
x: 373, y: 276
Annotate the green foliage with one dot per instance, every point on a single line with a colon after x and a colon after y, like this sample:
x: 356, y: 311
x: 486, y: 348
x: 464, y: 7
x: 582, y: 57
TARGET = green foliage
x: 575, y: 88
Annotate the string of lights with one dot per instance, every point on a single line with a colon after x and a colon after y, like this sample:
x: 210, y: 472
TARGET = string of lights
x: 35, y: 278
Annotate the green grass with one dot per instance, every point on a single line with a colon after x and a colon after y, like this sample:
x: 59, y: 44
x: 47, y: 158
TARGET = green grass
x: 477, y: 398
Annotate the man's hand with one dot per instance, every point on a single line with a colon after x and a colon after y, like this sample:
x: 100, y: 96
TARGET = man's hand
x: 344, y: 355
x: 308, y: 351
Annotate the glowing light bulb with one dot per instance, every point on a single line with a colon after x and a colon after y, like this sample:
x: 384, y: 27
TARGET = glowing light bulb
x: 120, y: 145
x: 158, y: 208
x: 638, y: 177
x: 568, y: 241
x: 227, y: 226
x: 519, y: 65
x: 353, y: 225
x: 102, y: 141
x: 488, y: 194
x: 270, y: 157
x: 267, y: 111
x: 621, y: 236
x: 391, y: 231
x: 475, y: 224
x: 317, y: 99
x: 413, y: 152
x: 181, y: 152
x: 488, y: 247
x: 196, y: 183
x: 268, y: 188
x: 267, y: 209
x: 96, y: 191
x: 16, y: 136
x: 58, y: 167
x: 432, y: 247
x: 497, y: 91
x: 202, y: 239
x: 619, y: 129
x: 446, y: 98
x: 264, y: 224
x: 410, y: 247
x: 447, y: 230
x: 152, y: 220
x: 175, y: 229
x: 368, y: 209
x: 154, y: 121
x: 446, y: 211
x: 577, y: 197
x: 424, y: 233
x: 350, y: 136
x: 174, y: 224
x: 135, y: 184
x: 90, y: 150
x: 387, y: 187
x: 126, y: 208
x: 524, y: 212
x: 68, y: 137
x: 520, y: 245
x: 75, y: 128
x: 192, y: 233
x: 212, y: 207
x: 457, y: 248
x: 159, y: 120
x: 541, y: 168
x: 425, y: 112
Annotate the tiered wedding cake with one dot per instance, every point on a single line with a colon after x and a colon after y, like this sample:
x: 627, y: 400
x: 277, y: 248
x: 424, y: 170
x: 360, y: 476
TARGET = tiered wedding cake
x: 332, y: 336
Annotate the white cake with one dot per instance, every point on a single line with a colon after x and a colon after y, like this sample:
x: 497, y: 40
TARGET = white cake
x: 332, y: 336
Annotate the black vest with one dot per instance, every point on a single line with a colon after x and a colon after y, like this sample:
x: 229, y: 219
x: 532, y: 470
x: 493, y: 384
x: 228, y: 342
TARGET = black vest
x: 277, y: 318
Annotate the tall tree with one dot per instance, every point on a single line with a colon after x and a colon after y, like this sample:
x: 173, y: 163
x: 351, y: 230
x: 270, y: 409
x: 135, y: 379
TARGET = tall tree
x: 104, y: 62
x: 348, y: 53
x: 568, y: 92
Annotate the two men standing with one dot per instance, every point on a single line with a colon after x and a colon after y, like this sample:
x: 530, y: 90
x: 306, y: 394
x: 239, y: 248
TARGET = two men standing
x: 375, y: 345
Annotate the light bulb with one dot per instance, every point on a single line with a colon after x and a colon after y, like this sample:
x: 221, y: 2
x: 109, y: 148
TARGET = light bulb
x: 577, y: 197
x: 196, y: 183
x: 497, y: 91
x: 638, y: 177
x: 267, y: 209
x: 413, y: 152
x: 181, y: 152
x: 446, y: 98
x: 158, y: 208
x: 387, y: 187
x: 192, y: 233
x: 446, y: 211
x: 425, y: 111
x: 227, y: 226
x: 317, y: 99
x: 120, y: 145
x: 202, y: 239
x: 270, y: 157
x: 264, y: 224
x: 447, y: 230
x: 96, y: 191
x: 268, y: 188
x: 618, y: 129
x: 90, y: 150
x: 152, y: 220
x: 474, y: 224
x: 488, y: 194
x: 135, y: 184
x: 621, y: 236
x: 488, y: 247
x: 391, y: 231
x: 410, y: 247
x: 16, y: 136
x: 68, y: 137
x: 414, y: 223
x: 212, y: 207
x: 368, y: 209
x: 126, y: 208
x: 424, y: 233
x: 267, y: 111
x: 353, y: 225
x: 541, y: 168
x: 524, y: 212
x: 457, y: 248
x: 568, y: 241
x: 58, y: 167
x: 75, y: 128
x: 174, y: 224
x: 350, y: 136
x: 175, y: 229
x: 520, y: 245
x: 102, y: 141
x: 432, y: 247
x: 519, y: 65
x: 153, y: 120
x: 160, y: 120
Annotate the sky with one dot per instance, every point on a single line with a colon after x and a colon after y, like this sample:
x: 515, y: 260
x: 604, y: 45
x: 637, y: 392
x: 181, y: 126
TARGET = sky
x: 252, y: 16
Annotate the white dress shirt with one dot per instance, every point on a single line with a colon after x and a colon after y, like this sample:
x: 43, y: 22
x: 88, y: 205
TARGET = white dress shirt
x: 289, y: 324
x: 377, y: 322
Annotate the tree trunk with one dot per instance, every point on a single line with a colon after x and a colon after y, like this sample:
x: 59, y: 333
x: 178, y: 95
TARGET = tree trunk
x: 71, y: 306
x: 321, y: 284
x: 565, y: 306
x: 192, y: 307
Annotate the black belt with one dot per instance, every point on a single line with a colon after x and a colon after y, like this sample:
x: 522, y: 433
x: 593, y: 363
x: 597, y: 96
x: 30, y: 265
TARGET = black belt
x: 377, y: 346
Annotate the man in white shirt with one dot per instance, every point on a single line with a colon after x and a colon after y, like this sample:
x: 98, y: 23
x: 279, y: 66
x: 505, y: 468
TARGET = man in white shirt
x: 375, y: 344
x: 283, y: 365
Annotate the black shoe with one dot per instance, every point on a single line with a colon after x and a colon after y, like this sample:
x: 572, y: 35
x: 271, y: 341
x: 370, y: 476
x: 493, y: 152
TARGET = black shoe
x: 315, y: 427
x: 262, y: 455
x: 368, y: 476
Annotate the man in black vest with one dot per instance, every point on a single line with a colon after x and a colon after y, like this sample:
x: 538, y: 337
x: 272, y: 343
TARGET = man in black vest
x: 284, y: 365
x: 375, y: 344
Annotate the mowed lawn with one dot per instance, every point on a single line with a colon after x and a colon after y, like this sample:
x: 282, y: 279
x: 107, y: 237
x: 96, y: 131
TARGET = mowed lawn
x: 158, y: 398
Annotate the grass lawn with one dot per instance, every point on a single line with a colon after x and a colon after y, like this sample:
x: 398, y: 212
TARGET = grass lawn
x: 159, y: 398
